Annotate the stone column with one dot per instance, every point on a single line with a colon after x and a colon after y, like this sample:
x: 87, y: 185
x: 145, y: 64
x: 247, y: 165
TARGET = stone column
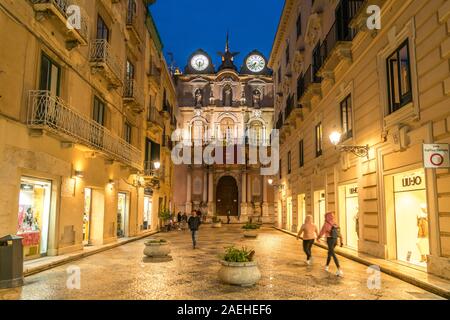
x: 189, y: 191
x: 205, y: 186
x: 244, y: 205
x: 265, y: 204
x: 211, y: 206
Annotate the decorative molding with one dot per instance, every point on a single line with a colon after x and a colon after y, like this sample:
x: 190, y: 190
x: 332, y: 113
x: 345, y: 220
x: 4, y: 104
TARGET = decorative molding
x: 313, y: 29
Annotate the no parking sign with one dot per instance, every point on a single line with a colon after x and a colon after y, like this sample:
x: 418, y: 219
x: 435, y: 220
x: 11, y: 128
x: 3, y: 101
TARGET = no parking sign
x: 436, y: 155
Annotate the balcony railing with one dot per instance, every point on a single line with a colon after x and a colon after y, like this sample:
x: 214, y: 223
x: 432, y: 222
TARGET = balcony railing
x: 59, y: 8
x: 101, y: 53
x: 150, y: 171
x: 154, y: 75
x: 133, y: 92
x: 155, y: 117
x: 51, y: 113
x: 135, y: 24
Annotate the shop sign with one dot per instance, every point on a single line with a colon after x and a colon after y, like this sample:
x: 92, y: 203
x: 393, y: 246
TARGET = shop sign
x: 436, y: 155
x: 351, y: 190
x: 409, y: 182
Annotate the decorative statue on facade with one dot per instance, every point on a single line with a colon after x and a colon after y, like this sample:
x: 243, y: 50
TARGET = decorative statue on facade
x: 198, y: 98
x: 227, y: 96
x: 256, y: 98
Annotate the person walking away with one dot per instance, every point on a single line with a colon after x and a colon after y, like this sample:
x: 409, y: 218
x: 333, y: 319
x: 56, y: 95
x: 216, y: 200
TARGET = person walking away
x: 228, y: 216
x: 332, y: 232
x: 194, y: 224
x: 179, y: 220
x: 310, y: 233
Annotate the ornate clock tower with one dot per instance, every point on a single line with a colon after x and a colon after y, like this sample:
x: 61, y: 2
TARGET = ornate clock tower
x: 232, y: 108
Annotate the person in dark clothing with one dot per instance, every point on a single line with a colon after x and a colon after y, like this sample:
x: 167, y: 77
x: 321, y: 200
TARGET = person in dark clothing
x: 194, y: 223
x: 228, y: 216
x: 179, y: 217
x: 332, y: 232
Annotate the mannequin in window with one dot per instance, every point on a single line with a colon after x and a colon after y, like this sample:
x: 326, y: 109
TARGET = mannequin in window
x: 227, y: 96
x: 422, y: 233
x: 256, y: 98
x: 198, y: 98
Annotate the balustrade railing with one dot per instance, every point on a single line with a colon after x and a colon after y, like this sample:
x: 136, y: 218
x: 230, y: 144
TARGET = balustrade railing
x: 132, y: 91
x: 49, y: 112
x: 101, y: 52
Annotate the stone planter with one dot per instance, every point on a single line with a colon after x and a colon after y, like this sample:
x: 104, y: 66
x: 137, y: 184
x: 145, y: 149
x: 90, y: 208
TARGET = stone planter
x: 251, y: 233
x: 217, y: 224
x: 243, y: 274
x: 160, y: 249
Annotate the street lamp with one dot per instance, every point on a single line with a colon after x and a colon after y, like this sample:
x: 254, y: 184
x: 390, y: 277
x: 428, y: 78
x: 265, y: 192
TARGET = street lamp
x: 279, y: 186
x: 359, y: 151
x: 157, y: 165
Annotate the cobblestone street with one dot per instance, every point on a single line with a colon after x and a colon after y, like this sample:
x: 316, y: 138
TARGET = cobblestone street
x: 124, y: 273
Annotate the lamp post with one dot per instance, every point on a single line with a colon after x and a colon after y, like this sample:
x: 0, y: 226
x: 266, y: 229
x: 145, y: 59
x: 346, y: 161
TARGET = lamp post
x: 359, y: 151
x: 279, y: 186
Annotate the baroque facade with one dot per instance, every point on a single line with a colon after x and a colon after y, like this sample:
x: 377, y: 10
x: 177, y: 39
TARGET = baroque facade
x: 79, y: 90
x: 228, y: 108
x: 379, y: 94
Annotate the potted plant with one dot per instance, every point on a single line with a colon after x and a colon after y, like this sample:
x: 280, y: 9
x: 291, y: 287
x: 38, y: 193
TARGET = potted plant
x: 216, y: 222
x: 239, y: 268
x: 156, y: 248
x: 250, y: 230
x: 164, y: 215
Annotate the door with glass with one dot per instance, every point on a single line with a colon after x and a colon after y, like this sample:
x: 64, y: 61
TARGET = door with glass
x: 34, y: 215
x: 301, y: 208
x: 87, y: 215
x: 122, y: 214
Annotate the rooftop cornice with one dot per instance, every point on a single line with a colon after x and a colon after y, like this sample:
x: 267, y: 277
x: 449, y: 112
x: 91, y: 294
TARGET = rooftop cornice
x: 281, y: 30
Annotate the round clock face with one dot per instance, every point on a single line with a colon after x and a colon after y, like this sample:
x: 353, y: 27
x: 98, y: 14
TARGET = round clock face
x: 199, y: 62
x: 256, y: 63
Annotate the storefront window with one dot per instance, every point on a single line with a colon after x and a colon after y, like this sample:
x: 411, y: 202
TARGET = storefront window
x: 87, y: 215
x: 349, y: 212
x: 319, y: 208
x: 301, y: 207
x: 34, y: 215
x: 147, y: 212
x: 121, y: 214
x: 289, y: 214
x: 411, y: 217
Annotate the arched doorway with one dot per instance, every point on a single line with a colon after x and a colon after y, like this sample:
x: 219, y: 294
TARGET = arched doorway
x: 227, y: 196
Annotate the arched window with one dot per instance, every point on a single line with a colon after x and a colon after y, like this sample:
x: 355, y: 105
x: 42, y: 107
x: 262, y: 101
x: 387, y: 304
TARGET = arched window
x: 227, y: 129
x: 255, y: 133
x: 198, y: 132
x: 227, y: 96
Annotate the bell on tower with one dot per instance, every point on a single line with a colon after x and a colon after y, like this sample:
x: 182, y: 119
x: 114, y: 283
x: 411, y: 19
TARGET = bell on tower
x: 228, y: 57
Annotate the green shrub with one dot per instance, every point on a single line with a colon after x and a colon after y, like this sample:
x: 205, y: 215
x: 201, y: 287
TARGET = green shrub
x: 251, y: 226
x: 232, y: 254
x: 164, y: 215
x: 156, y: 241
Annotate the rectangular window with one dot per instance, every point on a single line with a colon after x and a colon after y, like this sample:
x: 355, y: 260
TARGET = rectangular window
x: 398, y: 68
x: 289, y: 162
x: 317, y: 63
x: 49, y: 76
x: 127, y: 132
x: 299, y: 25
x: 99, y: 112
x: 102, y: 29
x: 319, y: 139
x: 152, y: 153
x: 346, y: 118
x: 301, y: 156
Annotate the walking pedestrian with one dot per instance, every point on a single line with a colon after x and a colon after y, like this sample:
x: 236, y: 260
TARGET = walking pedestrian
x: 310, y: 233
x: 332, y: 232
x: 194, y: 223
x: 228, y: 216
x: 179, y: 217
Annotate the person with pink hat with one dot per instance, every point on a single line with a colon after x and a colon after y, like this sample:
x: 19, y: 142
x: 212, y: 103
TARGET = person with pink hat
x: 332, y: 232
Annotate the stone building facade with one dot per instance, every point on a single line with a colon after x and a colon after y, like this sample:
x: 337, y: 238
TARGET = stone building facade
x: 229, y: 109
x: 76, y: 83
x: 381, y: 93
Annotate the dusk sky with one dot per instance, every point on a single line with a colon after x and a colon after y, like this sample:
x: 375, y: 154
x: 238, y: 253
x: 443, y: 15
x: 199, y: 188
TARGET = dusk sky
x: 186, y: 25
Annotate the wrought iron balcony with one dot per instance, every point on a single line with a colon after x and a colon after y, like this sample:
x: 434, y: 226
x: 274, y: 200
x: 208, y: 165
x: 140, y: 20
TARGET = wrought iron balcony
x: 152, y: 173
x: 133, y: 96
x: 154, y: 75
x: 103, y: 60
x: 311, y: 87
x: 76, y: 34
x: 51, y: 113
x: 155, y: 120
x: 336, y: 46
x: 135, y: 26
